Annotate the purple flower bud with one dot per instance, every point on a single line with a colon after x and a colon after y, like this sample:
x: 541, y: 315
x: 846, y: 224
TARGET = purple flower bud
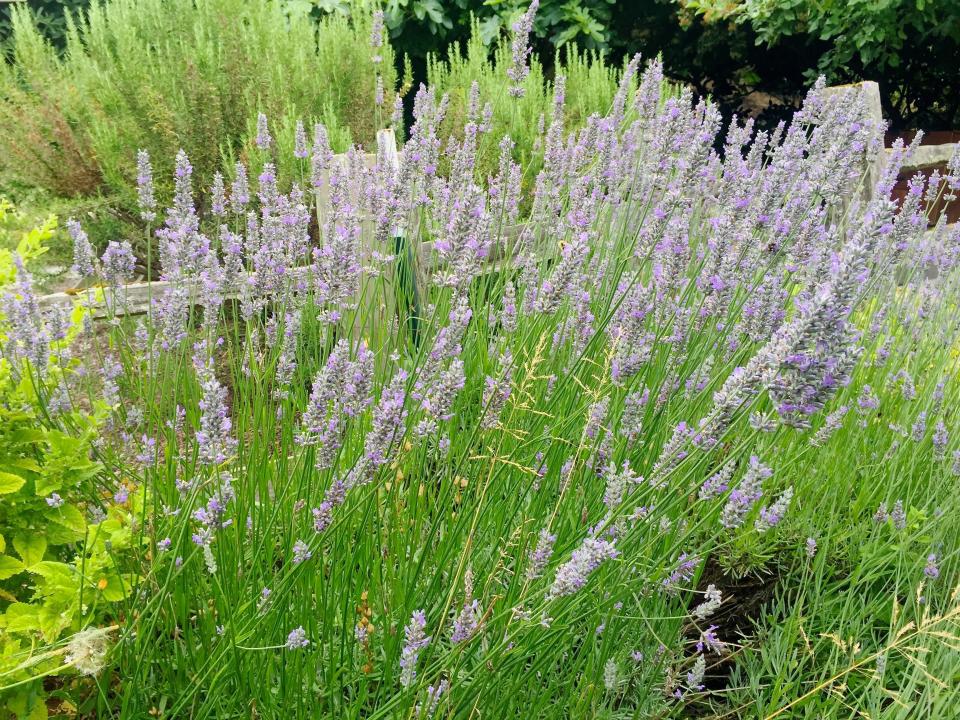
x: 746, y: 494
x: 218, y: 196
x: 145, y: 198
x: 301, y: 552
x: 520, y: 50
x: 572, y: 575
x: 118, y: 262
x: 415, y: 640
x: 84, y: 258
x: 214, y: 439
x: 240, y: 190
x: 263, y: 139
x: 898, y: 515
x: 300, y: 149
x: 297, y: 639
x: 540, y: 555
x: 771, y: 516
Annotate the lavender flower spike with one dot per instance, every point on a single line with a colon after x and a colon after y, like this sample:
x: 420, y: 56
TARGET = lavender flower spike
x: 300, y: 149
x: 466, y: 622
x: 213, y: 438
x: 84, y: 259
x: 218, y: 196
x: 118, y: 262
x: 745, y: 494
x: 240, y: 189
x: 572, y: 575
x: 376, y: 35
x: 416, y: 640
x: 263, y: 139
x: 145, y: 197
x: 297, y: 639
x: 520, y: 50
x: 540, y: 555
x: 713, y: 600
x: 770, y: 517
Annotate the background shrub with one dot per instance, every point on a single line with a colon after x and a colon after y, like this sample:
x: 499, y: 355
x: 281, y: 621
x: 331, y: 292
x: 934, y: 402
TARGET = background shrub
x: 590, y: 84
x: 162, y: 75
x: 907, y: 46
x: 749, y: 55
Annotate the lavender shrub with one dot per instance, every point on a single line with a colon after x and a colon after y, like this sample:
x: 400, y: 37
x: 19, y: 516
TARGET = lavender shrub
x: 589, y: 414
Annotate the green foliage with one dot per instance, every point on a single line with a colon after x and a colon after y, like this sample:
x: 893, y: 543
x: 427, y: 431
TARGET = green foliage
x: 853, y: 621
x: 50, y: 17
x: 591, y: 83
x: 59, y: 572
x: 427, y: 26
x: 73, y: 123
x: 28, y: 245
x: 870, y: 33
x: 908, y: 46
x: 36, y: 212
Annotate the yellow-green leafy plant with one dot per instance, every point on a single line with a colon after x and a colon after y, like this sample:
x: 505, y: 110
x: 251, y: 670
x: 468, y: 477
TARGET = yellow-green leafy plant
x: 59, y: 549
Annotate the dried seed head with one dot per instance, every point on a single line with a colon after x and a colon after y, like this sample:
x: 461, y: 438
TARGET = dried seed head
x: 87, y: 650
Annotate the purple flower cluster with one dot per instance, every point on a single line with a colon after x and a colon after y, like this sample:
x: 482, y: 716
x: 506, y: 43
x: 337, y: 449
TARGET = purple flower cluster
x: 297, y: 639
x: 215, y: 441
x: 520, y: 50
x: 682, y: 573
x: 415, y: 640
x: 745, y: 495
x: 388, y: 420
x: 540, y: 554
x: 434, y: 695
x: 145, y: 196
x: 84, y: 258
x: 118, y: 262
x: 771, y: 516
x: 466, y: 621
x: 442, y: 376
x: 573, y: 574
x: 341, y: 390
x: 28, y: 335
x: 497, y: 391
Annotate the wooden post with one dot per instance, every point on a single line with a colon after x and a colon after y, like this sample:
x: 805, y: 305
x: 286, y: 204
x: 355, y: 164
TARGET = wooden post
x: 404, y: 291
x: 869, y: 91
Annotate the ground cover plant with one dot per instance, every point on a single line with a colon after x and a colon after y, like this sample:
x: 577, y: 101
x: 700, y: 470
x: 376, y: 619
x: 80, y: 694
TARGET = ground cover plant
x: 676, y: 440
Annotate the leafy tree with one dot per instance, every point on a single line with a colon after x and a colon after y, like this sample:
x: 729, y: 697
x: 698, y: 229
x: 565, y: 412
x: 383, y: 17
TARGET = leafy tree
x: 50, y: 17
x: 909, y: 46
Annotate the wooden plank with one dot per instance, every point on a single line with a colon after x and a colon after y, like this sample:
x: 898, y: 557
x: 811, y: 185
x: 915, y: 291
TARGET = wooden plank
x: 134, y: 298
x: 928, y: 156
